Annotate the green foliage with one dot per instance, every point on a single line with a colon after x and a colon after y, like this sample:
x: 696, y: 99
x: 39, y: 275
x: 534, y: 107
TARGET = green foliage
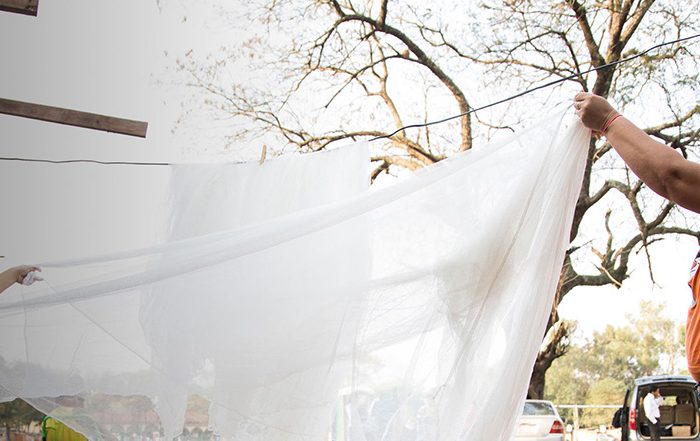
x: 600, y: 370
x: 606, y: 391
x: 566, y: 380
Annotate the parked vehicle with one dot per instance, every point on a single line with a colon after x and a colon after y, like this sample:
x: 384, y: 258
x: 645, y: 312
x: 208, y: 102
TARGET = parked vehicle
x: 539, y: 421
x: 679, y: 413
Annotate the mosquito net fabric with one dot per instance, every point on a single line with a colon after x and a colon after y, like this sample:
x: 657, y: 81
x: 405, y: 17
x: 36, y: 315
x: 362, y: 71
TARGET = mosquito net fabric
x: 300, y: 309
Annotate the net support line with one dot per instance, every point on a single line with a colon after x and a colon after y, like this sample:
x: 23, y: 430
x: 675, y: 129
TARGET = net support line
x: 410, y: 126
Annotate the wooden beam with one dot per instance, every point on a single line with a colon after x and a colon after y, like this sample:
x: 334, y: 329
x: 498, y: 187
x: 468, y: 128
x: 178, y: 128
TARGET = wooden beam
x: 26, y: 7
x: 74, y: 118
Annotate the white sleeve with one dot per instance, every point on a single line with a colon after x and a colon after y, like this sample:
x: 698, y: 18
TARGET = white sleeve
x: 648, y: 409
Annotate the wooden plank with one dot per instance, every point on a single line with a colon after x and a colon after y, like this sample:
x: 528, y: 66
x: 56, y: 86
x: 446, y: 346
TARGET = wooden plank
x: 26, y: 7
x: 74, y: 118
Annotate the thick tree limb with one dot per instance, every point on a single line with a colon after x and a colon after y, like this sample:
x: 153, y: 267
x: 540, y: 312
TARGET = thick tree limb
x: 425, y: 60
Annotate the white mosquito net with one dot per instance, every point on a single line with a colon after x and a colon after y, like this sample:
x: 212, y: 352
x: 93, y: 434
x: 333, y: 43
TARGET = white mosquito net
x: 298, y: 305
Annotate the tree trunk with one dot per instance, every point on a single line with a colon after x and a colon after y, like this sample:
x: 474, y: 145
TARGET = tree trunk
x: 535, y: 391
x: 557, y: 346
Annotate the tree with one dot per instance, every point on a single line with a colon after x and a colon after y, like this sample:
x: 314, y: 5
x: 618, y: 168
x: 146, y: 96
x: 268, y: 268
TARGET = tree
x: 602, y: 369
x: 609, y: 31
x: 649, y: 345
x: 17, y: 414
x: 566, y: 384
x: 604, y: 392
x: 391, y: 63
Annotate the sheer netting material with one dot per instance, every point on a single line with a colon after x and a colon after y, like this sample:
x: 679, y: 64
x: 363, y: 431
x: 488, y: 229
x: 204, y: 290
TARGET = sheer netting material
x: 303, y: 310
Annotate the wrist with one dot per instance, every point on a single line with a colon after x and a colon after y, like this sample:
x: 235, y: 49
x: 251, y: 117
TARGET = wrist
x: 609, y: 123
x: 17, y: 275
x: 20, y: 272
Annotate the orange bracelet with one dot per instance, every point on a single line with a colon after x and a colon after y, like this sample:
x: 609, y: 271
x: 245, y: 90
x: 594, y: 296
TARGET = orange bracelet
x: 609, y: 123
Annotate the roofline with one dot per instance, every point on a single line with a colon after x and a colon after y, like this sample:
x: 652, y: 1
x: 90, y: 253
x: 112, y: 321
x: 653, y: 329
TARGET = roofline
x: 664, y: 379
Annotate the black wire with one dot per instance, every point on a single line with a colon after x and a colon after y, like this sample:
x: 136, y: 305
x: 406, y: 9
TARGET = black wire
x: 92, y: 161
x: 411, y: 126
x: 525, y: 92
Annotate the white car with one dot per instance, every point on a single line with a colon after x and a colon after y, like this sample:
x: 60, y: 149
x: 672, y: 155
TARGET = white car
x: 539, y: 421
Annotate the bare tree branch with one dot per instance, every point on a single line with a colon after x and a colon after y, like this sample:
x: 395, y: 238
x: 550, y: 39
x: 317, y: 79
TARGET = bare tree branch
x: 426, y: 61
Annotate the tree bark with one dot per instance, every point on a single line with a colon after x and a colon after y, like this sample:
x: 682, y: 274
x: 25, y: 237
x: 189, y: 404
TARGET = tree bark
x: 535, y: 390
x: 557, y: 346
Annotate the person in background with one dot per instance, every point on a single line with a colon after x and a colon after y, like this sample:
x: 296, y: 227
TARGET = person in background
x: 664, y: 171
x: 18, y: 274
x: 652, y: 401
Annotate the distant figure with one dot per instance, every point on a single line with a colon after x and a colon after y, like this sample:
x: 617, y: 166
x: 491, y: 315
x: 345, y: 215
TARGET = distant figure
x: 652, y: 401
x: 19, y: 274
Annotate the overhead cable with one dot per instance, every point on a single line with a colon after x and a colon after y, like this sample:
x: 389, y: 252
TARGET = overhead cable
x: 410, y: 126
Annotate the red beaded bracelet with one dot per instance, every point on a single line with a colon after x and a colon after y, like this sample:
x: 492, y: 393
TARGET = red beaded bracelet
x: 609, y: 123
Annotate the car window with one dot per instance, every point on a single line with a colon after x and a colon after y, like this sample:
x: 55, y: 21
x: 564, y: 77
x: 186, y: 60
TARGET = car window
x: 531, y: 408
x: 673, y: 395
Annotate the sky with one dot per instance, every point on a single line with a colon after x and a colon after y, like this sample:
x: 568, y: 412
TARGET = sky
x: 118, y: 58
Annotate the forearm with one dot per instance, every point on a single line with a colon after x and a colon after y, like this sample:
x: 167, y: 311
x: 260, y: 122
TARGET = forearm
x: 660, y: 167
x: 18, y: 274
x: 7, y: 278
x: 646, y: 157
